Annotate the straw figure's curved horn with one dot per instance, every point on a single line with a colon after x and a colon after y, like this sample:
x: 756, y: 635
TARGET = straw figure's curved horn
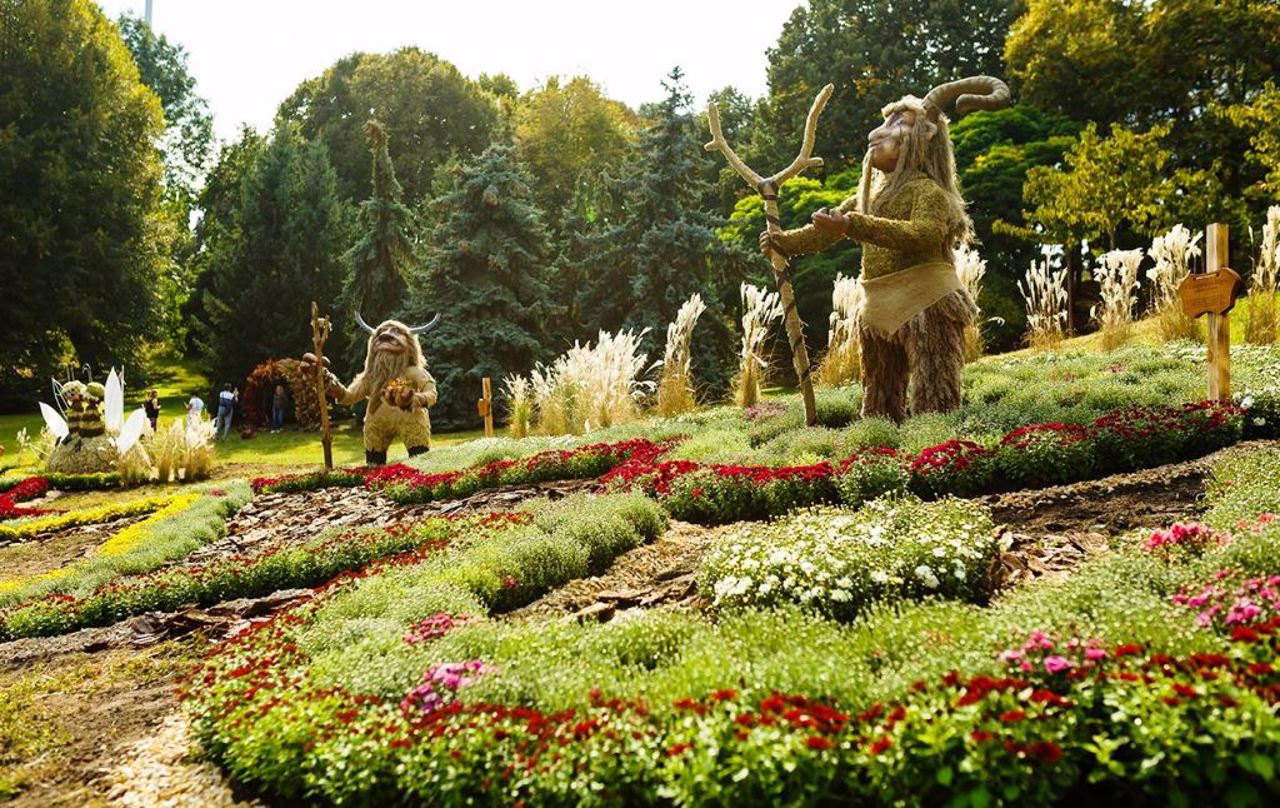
x: 368, y: 329
x: 422, y: 329
x: 974, y: 92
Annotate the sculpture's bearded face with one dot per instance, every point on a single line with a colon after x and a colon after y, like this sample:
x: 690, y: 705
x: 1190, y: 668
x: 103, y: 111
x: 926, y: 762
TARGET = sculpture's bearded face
x: 393, y: 349
x: 391, y: 339
x: 885, y: 141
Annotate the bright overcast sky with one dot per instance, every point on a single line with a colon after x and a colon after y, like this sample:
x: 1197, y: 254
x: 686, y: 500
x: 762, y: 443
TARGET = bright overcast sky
x: 247, y: 55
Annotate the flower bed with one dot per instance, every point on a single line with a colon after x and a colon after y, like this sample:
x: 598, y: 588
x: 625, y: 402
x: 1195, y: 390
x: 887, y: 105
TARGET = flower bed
x: 84, y: 516
x: 405, y: 484
x: 68, y: 482
x: 238, y: 576
x: 177, y: 525
x: 840, y: 561
x: 30, y: 488
x: 1034, y: 455
x: 1039, y: 719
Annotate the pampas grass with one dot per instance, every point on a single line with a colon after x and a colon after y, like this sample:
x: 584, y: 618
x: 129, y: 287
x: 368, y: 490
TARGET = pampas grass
x: 1260, y: 328
x: 675, y: 385
x: 1117, y: 276
x: 182, y: 452
x: 519, y: 405
x: 759, y: 309
x: 1045, y: 293
x: 1172, y: 253
x: 589, y: 387
x: 843, y: 361
x: 971, y: 268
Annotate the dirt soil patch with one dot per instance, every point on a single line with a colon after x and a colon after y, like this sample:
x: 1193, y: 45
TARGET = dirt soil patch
x: 46, y: 552
x: 1047, y: 531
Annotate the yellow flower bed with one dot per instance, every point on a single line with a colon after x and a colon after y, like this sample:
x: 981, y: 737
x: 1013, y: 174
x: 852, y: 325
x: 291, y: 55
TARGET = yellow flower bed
x: 87, y: 516
x: 119, y: 544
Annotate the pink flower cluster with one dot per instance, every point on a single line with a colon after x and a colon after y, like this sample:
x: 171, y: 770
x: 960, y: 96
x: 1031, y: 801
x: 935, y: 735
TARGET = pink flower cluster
x: 1186, y: 537
x: 1244, y: 604
x: 1034, y: 653
x: 441, y: 683
x: 434, y: 627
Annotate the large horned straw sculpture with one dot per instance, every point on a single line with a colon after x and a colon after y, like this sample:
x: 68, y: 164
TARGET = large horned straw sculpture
x: 768, y: 188
x: 908, y: 215
x: 394, y: 382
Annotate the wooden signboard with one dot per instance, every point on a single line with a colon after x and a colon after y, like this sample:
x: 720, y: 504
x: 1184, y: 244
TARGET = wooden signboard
x: 1211, y: 292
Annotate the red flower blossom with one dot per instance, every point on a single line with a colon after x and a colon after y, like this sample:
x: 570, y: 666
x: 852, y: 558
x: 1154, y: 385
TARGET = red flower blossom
x: 880, y: 744
x: 818, y: 742
x: 1012, y: 716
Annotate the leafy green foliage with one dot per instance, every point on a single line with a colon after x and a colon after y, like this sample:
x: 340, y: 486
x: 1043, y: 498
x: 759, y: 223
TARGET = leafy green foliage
x: 280, y: 250
x: 485, y: 272
x: 662, y: 248
x: 384, y: 248
x: 430, y: 110
x: 84, y: 247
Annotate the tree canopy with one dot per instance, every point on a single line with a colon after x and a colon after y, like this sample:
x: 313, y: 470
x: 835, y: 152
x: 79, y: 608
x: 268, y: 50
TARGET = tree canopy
x: 81, y: 228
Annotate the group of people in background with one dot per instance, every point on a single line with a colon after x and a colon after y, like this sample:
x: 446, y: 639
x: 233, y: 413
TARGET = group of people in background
x: 228, y: 403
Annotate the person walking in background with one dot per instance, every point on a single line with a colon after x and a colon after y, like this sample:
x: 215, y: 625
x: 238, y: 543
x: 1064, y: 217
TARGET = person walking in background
x: 226, y: 409
x: 152, y: 408
x: 278, y: 403
x: 195, y: 408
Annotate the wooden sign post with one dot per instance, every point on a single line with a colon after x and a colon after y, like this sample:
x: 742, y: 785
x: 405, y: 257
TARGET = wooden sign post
x: 1214, y: 293
x: 320, y: 328
x: 485, y: 405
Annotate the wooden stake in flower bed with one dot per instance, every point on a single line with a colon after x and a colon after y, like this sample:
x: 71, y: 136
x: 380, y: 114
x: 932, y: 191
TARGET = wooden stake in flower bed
x: 769, y: 187
x: 1214, y: 292
x: 485, y: 406
x: 320, y: 328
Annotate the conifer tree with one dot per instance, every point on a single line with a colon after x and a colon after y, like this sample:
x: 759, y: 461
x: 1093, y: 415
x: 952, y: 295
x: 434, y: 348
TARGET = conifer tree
x: 376, y: 263
x: 283, y: 251
x: 485, y: 271
x: 663, y: 246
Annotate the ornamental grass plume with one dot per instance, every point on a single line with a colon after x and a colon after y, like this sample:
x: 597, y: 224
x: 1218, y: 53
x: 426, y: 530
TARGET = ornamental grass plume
x: 971, y: 267
x: 182, y: 452
x: 1045, y: 293
x: 843, y: 361
x: 759, y: 309
x: 519, y: 392
x: 1117, y: 275
x: 591, y: 387
x: 1261, y: 326
x: 675, y: 385
x: 1172, y: 253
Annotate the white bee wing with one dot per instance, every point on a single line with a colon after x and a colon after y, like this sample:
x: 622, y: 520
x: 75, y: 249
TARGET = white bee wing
x: 57, y: 395
x: 56, y: 423
x: 113, y: 405
x: 131, y: 432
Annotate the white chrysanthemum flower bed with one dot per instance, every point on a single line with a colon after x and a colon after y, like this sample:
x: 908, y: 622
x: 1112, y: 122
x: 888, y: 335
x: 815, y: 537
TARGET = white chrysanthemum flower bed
x: 838, y: 561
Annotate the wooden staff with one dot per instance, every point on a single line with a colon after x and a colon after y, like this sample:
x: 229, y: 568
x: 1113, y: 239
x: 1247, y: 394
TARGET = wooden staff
x: 768, y: 188
x: 320, y: 328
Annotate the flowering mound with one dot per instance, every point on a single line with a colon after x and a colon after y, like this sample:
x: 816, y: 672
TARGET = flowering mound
x: 839, y: 561
x: 30, y: 488
x: 1030, y: 456
x: 405, y: 484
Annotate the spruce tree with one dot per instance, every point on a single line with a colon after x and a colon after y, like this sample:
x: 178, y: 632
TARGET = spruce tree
x: 485, y: 271
x: 663, y: 246
x: 376, y: 263
x: 282, y: 251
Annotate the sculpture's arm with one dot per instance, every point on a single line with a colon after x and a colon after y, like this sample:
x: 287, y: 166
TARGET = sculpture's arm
x: 424, y: 385
x: 926, y: 228
x: 344, y: 395
x: 809, y: 239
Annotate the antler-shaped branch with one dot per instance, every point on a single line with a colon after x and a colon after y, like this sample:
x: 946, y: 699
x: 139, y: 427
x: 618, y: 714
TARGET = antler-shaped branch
x: 803, y: 159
